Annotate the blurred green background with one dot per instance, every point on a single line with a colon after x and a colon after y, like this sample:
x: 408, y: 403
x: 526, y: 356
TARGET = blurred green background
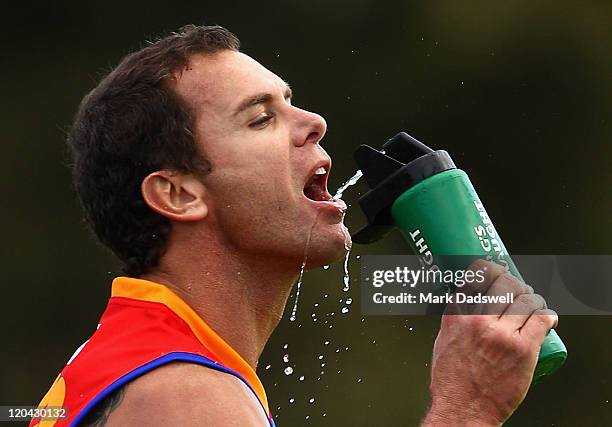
x: 518, y: 92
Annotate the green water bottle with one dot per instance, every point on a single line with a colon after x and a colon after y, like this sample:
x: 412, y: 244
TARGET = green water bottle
x: 422, y: 192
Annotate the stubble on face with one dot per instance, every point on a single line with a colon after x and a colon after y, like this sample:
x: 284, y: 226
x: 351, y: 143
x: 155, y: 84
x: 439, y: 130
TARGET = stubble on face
x: 254, y: 191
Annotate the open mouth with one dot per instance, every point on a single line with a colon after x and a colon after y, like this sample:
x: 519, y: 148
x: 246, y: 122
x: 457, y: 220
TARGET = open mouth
x: 316, y: 186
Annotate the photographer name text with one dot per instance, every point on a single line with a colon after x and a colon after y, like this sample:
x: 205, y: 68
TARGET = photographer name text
x: 448, y: 298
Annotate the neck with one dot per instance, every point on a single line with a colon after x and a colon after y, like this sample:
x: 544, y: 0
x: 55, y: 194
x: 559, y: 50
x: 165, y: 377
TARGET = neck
x: 241, y: 298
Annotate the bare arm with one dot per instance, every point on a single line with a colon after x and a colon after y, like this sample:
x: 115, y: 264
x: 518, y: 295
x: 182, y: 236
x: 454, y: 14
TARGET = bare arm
x: 183, y: 394
x: 100, y: 413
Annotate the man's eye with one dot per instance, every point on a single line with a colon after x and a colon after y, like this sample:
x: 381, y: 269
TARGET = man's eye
x: 262, y: 121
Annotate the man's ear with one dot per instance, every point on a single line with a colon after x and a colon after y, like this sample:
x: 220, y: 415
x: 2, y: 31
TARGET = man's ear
x: 177, y: 196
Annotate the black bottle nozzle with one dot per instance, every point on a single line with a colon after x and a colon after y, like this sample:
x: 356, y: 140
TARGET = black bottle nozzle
x: 400, y: 164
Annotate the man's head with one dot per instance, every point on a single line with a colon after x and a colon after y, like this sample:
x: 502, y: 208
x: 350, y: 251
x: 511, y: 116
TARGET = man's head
x: 190, y: 140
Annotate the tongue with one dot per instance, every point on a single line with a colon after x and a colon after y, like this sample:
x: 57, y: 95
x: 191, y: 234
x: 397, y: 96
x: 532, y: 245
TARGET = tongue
x: 315, y: 192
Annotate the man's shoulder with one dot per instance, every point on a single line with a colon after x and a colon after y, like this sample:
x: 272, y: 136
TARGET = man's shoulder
x: 185, y: 394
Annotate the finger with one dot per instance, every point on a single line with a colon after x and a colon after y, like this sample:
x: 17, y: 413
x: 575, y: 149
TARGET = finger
x: 538, y: 325
x: 506, y: 286
x: 521, y: 309
x: 486, y: 269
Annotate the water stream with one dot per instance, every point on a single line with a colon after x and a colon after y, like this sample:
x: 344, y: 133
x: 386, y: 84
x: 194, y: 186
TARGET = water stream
x: 298, y: 286
x: 299, y: 282
x: 347, y: 184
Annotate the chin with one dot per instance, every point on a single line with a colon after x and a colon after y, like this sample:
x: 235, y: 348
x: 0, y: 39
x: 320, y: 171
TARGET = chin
x: 328, y: 247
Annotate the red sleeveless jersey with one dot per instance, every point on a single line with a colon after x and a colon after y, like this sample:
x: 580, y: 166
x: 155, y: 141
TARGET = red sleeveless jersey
x: 145, y: 325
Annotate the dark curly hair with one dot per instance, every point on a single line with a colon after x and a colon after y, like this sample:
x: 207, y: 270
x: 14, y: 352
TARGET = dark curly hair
x: 133, y: 124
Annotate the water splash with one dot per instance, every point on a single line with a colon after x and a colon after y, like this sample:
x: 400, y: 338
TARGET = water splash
x: 347, y: 184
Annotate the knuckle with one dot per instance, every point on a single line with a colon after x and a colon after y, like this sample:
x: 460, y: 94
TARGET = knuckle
x: 533, y: 301
x: 542, y: 320
x: 540, y: 301
x: 524, y: 299
x: 480, y: 264
x: 509, y: 281
x: 547, y: 318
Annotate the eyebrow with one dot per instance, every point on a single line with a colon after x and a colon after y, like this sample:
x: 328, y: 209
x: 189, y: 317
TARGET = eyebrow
x: 260, y: 98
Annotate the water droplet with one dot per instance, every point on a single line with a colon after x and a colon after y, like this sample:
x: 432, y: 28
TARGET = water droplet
x: 291, y: 400
x: 316, y: 304
x: 268, y: 367
x: 288, y: 370
x: 325, y: 296
x: 358, y: 256
x: 301, y: 378
x: 322, y: 364
x: 286, y: 358
x: 320, y: 357
x: 311, y: 401
x: 325, y: 267
x: 307, y: 417
x: 286, y: 346
x: 326, y: 343
x: 359, y: 380
x: 349, y: 301
x: 324, y: 414
x: 345, y: 310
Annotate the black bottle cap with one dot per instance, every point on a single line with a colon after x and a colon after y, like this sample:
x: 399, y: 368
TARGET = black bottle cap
x: 400, y: 164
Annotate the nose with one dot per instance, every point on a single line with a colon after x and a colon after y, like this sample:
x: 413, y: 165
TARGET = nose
x: 310, y: 128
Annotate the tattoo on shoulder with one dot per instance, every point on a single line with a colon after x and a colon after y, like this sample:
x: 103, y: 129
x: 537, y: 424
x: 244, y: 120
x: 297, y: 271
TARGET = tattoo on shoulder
x: 98, y: 416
